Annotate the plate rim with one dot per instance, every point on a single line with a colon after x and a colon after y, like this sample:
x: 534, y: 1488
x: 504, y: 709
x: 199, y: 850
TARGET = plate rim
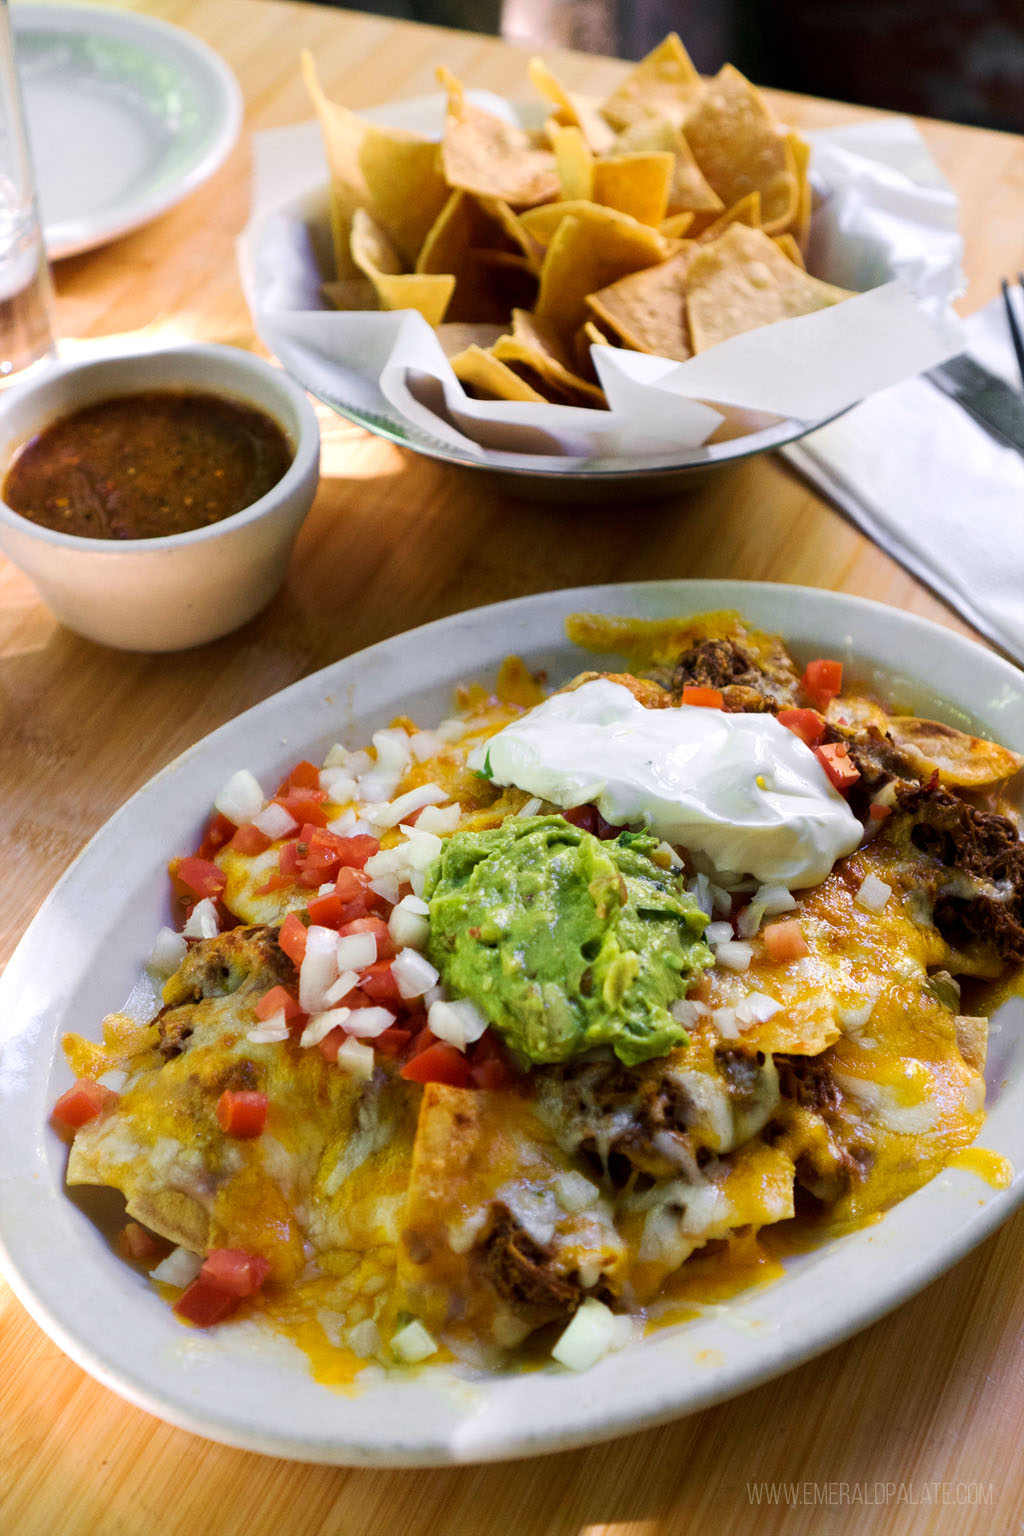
x: 953, y: 1241
x: 84, y: 232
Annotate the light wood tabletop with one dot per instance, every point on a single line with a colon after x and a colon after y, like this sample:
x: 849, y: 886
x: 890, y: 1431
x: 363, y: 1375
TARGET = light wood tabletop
x: 920, y: 1418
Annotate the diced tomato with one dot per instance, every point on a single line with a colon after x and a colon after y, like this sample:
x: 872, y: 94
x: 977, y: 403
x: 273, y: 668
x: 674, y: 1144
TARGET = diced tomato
x: 219, y: 830
x: 242, y: 1114
x: 289, y: 857
x: 200, y: 876
x: 249, y: 839
x: 393, y: 1042
x: 378, y: 982
x: 327, y: 911
x: 589, y: 818
x: 439, y: 1063
x: 292, y: 938
x: 304, y: 775
x: 489, y: 1075
x: 275, y: 883
x: 784, y: 941
x: 234, y: 1271
x: 708, y: 698
x: 423, y: 1038
x: 304, y: 807
x: 808, y: 724
x: 204, y: 1304
x: 822, y: 680
x: 354, y: 851
x: 81, y: 1103
x: 277, y: 1000
x: 350, y: 885
x: 378, y: 927
x: 134, y: 1242
x: 879, y: 812
x: 330, y: 1045
x: 834, y: 757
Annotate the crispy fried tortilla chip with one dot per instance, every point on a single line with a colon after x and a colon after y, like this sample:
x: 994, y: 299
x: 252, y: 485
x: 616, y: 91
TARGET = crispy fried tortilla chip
x: 587, y: 252
x: 462, y: 239
x: 648, y: 309
x: 746, y: 211
x: 962, y: 761
x: 789, y: 248
x: 573, y: 110
x: 456, y: 335
x: 740, y: 148
x: 689, y: 189
x: 538, y: 347
x: 637, y: 184
x: 514, y: 230
x: 676, y: 225
x: 374, y: 255
x: 743, y: 280
x: 664, y: 84
x: 393, y: 174
x: 492, y: 379
x: 801, y: 152
x: 575, y: 161
x: 482, y: 153
x: 589, y: 335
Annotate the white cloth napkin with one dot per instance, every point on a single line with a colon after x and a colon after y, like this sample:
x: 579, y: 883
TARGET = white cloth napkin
x: 940, y: 494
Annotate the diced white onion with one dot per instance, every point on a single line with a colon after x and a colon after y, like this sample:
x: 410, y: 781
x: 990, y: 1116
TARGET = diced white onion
x: 389, y: 864
x: 856, y: 1017
x: 409, y: 923
x: 574, y: 1192
x: 424, y: 744
x: 169, y: 950
x: 413, y: 973
x: 666, y: 856
x: 368, y: 1023
x: 338, y: 785
x: 413, y: 1343
x: 418, y: 881
x: 364, y: 1338
x: 721, y: 900
x: 321, y: 1024
x: 319, y: 968
x: 718, y: 933
x: 271, y: 1031
x: 734, y: 955
x: 392, y: 748
x: 355, y: 1058
x: 724, y: 1021
x: 386, y: 887
x: 974, y: 1095
x: 590, y: 1335
x: 341, y: 988
x: 700, y: 889
x: 748, y: 920
x: 413, y: 800
x: 203, y: 922
x: 686, y: 1011
x: 354, y: 763
x: 274, y: 822
x: 179, y: 1268
x: 872, y: 894
x: 774, y: 899
x: 435, y: 995
x: 355, y: 951
x: 241, y: 799
x: 439, y: 818
x: 531, y: 807
x: 345, y: 824
x: 755, y: 1008
x: 423, y: 847
x: 459, y: 1022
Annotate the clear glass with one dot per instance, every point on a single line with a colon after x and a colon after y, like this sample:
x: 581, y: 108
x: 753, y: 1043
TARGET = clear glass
x: 26, y: 325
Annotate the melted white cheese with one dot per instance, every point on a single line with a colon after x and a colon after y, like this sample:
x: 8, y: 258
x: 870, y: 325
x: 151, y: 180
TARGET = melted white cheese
x: 739, y: 788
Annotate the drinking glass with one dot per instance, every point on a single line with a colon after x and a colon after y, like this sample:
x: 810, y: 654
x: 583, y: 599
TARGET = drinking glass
x: 26, y: 330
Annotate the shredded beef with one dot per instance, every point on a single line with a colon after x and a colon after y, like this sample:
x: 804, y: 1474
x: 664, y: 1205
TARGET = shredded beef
x: 807, y: 1081
x: 981, y: 845
x: 523, y: 1272
x: 217, y: 968
x: 652, y: 1103
x: 725, y: 665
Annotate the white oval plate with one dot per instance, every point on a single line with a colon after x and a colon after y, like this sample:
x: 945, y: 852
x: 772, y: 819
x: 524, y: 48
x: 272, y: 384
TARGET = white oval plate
x: 126, y: 115
x: 80, y: 958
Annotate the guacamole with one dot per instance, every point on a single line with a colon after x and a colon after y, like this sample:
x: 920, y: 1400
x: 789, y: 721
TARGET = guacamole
x: 564, y: 941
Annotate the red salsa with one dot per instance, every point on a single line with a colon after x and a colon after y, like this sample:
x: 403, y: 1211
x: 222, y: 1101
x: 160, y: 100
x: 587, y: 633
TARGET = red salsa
x: 145, y: 465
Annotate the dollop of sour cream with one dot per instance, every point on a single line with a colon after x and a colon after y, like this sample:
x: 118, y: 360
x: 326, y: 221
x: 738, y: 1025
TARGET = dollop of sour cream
x: 739, y: 788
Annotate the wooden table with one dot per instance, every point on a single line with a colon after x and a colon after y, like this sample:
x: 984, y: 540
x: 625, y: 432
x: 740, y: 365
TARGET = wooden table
x: 922, y: 1410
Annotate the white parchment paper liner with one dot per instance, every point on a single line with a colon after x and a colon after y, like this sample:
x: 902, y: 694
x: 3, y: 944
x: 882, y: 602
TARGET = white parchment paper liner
x: 886, y: 223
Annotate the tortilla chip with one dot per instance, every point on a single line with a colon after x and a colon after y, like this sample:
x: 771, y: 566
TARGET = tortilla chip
x: 801, y: 152
x: 789, y: 248
x: 740, y: 148
x: 374, y: 255
x: 512, y: 226
x: 746, y: 211
x: 461, y: 227
x: 456, y: 336
x: 664, y: 84
x: 962, y: 761
x: 484, y: 154
x: 575, y: 161
x: 676, y: 225
x: 501, y: 282
x: 648, y: 309
x: 587, y: 252
x: 582, y: 112
x: 742, y: 280
x: 487, y: 376
x: 689, y: 188
x: 538, y: 347
x: 637, y: 184
x: 589, y: 335
x: 392, y: 174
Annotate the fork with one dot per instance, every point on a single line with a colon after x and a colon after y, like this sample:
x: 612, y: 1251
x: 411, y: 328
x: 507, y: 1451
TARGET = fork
x: 1016, y: 328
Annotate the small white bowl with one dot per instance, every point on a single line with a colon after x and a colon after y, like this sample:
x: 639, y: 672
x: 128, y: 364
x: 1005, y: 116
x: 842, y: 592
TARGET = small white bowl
x: 169, y: 593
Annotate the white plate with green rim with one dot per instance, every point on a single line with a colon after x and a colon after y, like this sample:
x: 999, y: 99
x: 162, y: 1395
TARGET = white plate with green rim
x: 126, y: 116
x: 236, y: 1384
